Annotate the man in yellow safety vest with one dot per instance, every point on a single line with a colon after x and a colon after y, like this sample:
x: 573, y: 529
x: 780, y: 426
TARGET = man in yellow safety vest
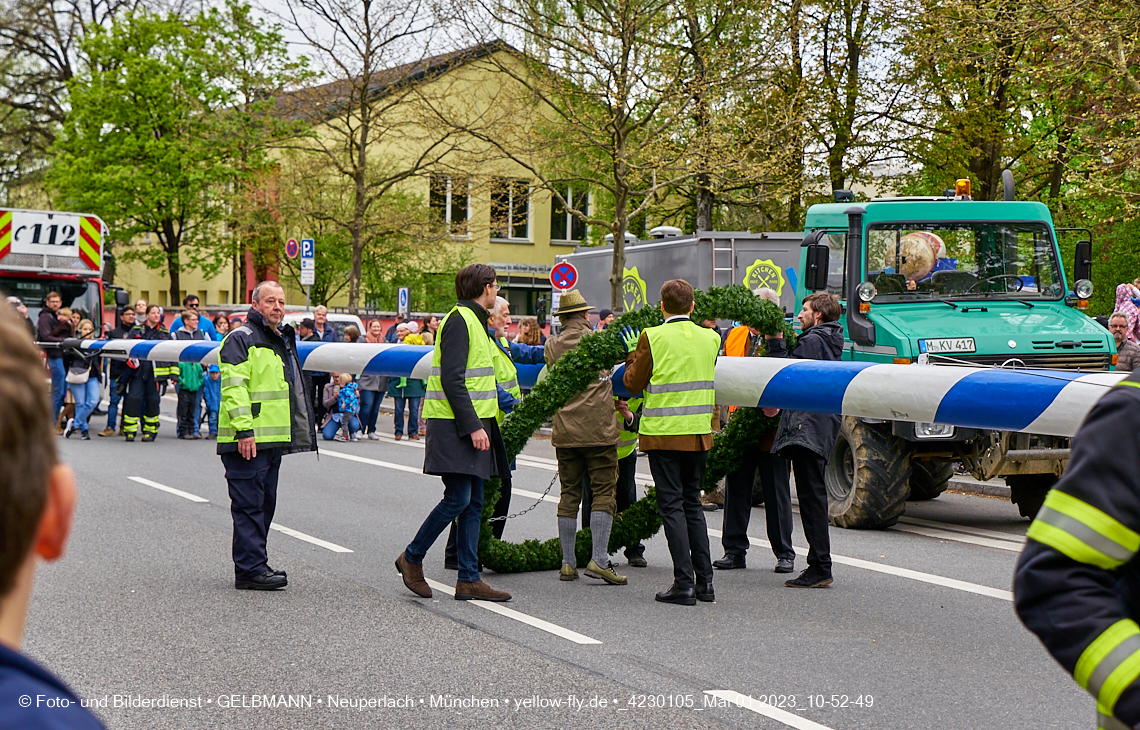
x: 674, y: 364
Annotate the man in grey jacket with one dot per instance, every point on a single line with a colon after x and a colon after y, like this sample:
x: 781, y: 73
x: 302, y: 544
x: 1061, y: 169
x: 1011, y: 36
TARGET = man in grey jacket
x: 806, y: 439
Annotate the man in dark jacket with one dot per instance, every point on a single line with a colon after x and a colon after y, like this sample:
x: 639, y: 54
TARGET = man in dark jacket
x: 45, y: 328
x: 117, y: 366
x: 144, y: 378
x: 806, y: 439
x: 464, y: 446
x: 322, y: 331
x: 265, y: 414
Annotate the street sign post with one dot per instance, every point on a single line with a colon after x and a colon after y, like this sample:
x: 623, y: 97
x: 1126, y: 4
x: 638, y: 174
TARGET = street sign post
x: 564, y: 276
x: 308, y: 266
x: 403, y: 303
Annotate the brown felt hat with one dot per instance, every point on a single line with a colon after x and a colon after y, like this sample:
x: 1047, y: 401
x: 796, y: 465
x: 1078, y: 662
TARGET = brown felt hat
x: 572, y: 301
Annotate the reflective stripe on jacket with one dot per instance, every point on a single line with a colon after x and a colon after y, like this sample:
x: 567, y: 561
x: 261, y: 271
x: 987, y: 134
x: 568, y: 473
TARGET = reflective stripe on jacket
x: 628, y: 443
x: 479, y: 378
x: 680, y: 395
x: 506, y: 374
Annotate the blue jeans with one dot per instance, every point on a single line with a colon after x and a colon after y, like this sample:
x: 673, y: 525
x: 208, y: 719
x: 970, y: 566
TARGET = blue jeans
x: 330, y: 430
x: 413, y: 417
x: 370, y: 401
x: 86, y: 398
x: 462, y: 499
x: 58, y: 384
x: 113, y: 409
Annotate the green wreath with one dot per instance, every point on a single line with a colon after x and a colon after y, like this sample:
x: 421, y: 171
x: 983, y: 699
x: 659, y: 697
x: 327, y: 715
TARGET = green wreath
x: 572, y: 374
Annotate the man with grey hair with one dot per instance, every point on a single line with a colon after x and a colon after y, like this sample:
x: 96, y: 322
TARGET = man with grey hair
x: 1127, y: 353
x: 265, y: 413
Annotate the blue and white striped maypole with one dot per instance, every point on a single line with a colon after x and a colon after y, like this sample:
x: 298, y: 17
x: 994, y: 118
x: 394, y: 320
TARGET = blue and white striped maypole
x: 1048, y: 402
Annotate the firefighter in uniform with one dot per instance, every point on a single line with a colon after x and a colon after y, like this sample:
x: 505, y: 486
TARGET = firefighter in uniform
x: 1077, y: 584
x: 143, y: 379
x: 674, y: 364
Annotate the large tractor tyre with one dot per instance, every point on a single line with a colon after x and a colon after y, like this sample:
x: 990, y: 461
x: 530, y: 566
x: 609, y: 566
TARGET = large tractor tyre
x: 1028, y: 491
x: 867, y: 477
x: 928, y: 479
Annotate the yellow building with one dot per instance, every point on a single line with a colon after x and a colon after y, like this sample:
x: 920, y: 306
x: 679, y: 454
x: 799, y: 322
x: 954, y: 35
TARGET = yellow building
x: 494, y: 209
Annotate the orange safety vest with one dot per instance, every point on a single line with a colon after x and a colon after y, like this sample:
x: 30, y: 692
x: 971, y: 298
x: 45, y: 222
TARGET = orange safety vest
x: 736, y: 345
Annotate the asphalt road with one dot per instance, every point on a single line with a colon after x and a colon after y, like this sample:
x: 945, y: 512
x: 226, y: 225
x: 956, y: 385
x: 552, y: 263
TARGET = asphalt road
x: 917, y: 632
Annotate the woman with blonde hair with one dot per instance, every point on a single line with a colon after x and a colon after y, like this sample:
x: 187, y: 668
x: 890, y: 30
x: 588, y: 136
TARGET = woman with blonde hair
x: 83, y: 379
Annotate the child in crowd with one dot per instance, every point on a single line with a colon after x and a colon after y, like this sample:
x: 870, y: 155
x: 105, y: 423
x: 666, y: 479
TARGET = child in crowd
x: 212, y: 395
x: 348, y: 403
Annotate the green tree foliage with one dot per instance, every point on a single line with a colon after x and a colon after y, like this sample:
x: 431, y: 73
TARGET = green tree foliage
x: 158, y: 131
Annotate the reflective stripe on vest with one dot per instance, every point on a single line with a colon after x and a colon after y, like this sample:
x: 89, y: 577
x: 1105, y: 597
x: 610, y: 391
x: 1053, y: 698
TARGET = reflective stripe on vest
x: 679, y: 398
x: 628, y: 443
x: 478, y: 377
x: 506, y: 375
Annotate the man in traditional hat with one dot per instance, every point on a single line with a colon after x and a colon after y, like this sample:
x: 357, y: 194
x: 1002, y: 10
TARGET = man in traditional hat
x: 585, y: 438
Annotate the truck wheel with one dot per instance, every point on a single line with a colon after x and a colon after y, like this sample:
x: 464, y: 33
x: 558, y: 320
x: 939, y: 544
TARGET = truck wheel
x: 867, y: 477
x: 1028, y: 491
x: 928, y: 479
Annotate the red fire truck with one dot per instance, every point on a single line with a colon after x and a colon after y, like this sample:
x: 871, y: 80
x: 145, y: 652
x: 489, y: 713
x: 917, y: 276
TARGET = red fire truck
x: 43, y: 251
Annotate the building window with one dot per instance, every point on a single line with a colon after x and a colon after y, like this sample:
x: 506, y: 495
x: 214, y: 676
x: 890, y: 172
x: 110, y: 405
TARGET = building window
x: 223, y: 296
x: 564, y: 225
x: 450, y: 197
x: 510, y: 209
x: 202, y: 297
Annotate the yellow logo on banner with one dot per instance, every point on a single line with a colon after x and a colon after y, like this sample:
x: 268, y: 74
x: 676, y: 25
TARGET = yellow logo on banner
x: 633, y: 290
x: 763, y: 272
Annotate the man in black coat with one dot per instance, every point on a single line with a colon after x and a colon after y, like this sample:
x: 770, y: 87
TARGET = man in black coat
x: 806, y: 439
x: 45, y: 329
x: 464, y: 449
x: 117, y: 366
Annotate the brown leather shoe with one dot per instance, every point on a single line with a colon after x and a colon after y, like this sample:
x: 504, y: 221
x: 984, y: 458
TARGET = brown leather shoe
x: 107, y: 432
x: 399, y: 436
x: 479, y: 591
x: 413, y: 575
x: 414, y: 437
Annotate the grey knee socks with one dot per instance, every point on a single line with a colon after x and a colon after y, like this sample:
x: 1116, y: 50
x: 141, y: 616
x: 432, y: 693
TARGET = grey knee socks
x: 600, y: 525
x: 567, y: 534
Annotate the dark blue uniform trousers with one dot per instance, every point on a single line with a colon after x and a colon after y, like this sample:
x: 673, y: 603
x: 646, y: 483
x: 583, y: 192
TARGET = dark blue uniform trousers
x: 253, y: 499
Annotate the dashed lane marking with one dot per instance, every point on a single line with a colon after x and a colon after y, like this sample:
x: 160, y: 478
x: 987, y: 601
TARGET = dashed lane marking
x: 519, y: 616
x: 310, y: 539
x: 940, y: 534
x: 761, y: 708
x: 373, y: 462
x: 170, y: 490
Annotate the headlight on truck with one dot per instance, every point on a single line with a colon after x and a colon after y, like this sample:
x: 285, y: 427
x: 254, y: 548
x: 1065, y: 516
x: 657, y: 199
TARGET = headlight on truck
x: 933, y: 431
x: 866, y: 291
x: 1083, y: 289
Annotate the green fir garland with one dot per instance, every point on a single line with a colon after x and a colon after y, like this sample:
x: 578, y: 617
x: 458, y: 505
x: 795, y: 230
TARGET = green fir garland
x: 571, y: 375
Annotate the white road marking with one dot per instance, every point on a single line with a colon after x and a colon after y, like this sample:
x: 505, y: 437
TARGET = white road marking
x: 310, y: 539
x: 171, y: 490
x: 937, y: 580
x: 520, y: 617
x: 533, y: 495
x: 958, y: 537
x: 760, y: 708
x: 854, y: 562
x: 373, y: 462
x: 978, y: 531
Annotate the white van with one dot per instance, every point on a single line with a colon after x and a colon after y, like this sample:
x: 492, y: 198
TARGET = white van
x: 337, y: 320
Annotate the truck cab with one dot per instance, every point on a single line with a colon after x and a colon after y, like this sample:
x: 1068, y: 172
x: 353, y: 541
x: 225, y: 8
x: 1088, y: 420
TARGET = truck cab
x: 947, y: 281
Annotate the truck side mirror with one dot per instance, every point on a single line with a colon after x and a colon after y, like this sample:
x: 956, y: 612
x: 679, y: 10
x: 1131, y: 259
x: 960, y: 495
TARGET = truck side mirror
x: 815, y: 277
x: 1082, y: 261
x: 122, y: 298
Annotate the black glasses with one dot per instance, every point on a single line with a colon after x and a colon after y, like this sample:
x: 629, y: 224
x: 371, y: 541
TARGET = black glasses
x: 193, y: 305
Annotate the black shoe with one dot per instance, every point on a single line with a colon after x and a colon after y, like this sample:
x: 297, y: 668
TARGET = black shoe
x: 267, y: 581
x: 810, y: 579
x: 148, y: 437
x: 636, y: 561
x: 785, y: 565
x: 84, y: 436
x: 730, y: 562
x: 679, y: 596
x: 705, y: 593
x: 278, y: 572
x: 98, y: 412
x: 130, y: 437
x: 183, y: 436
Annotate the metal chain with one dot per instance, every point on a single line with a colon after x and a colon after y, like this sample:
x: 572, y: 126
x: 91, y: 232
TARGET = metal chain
x: 528, y: 509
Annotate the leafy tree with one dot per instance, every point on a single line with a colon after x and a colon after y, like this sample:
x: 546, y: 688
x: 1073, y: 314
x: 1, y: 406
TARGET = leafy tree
x: 156, y: 134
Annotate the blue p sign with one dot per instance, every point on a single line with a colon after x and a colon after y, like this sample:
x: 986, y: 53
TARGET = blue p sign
x: 308, y: 248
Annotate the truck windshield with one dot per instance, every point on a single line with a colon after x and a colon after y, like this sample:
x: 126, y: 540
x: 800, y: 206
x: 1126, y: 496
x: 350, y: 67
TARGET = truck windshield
x: 962, y: 260
x: 79, y: 295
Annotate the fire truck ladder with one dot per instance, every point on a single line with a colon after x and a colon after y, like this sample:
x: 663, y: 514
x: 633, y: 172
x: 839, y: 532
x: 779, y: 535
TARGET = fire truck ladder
x: 724, y: 261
